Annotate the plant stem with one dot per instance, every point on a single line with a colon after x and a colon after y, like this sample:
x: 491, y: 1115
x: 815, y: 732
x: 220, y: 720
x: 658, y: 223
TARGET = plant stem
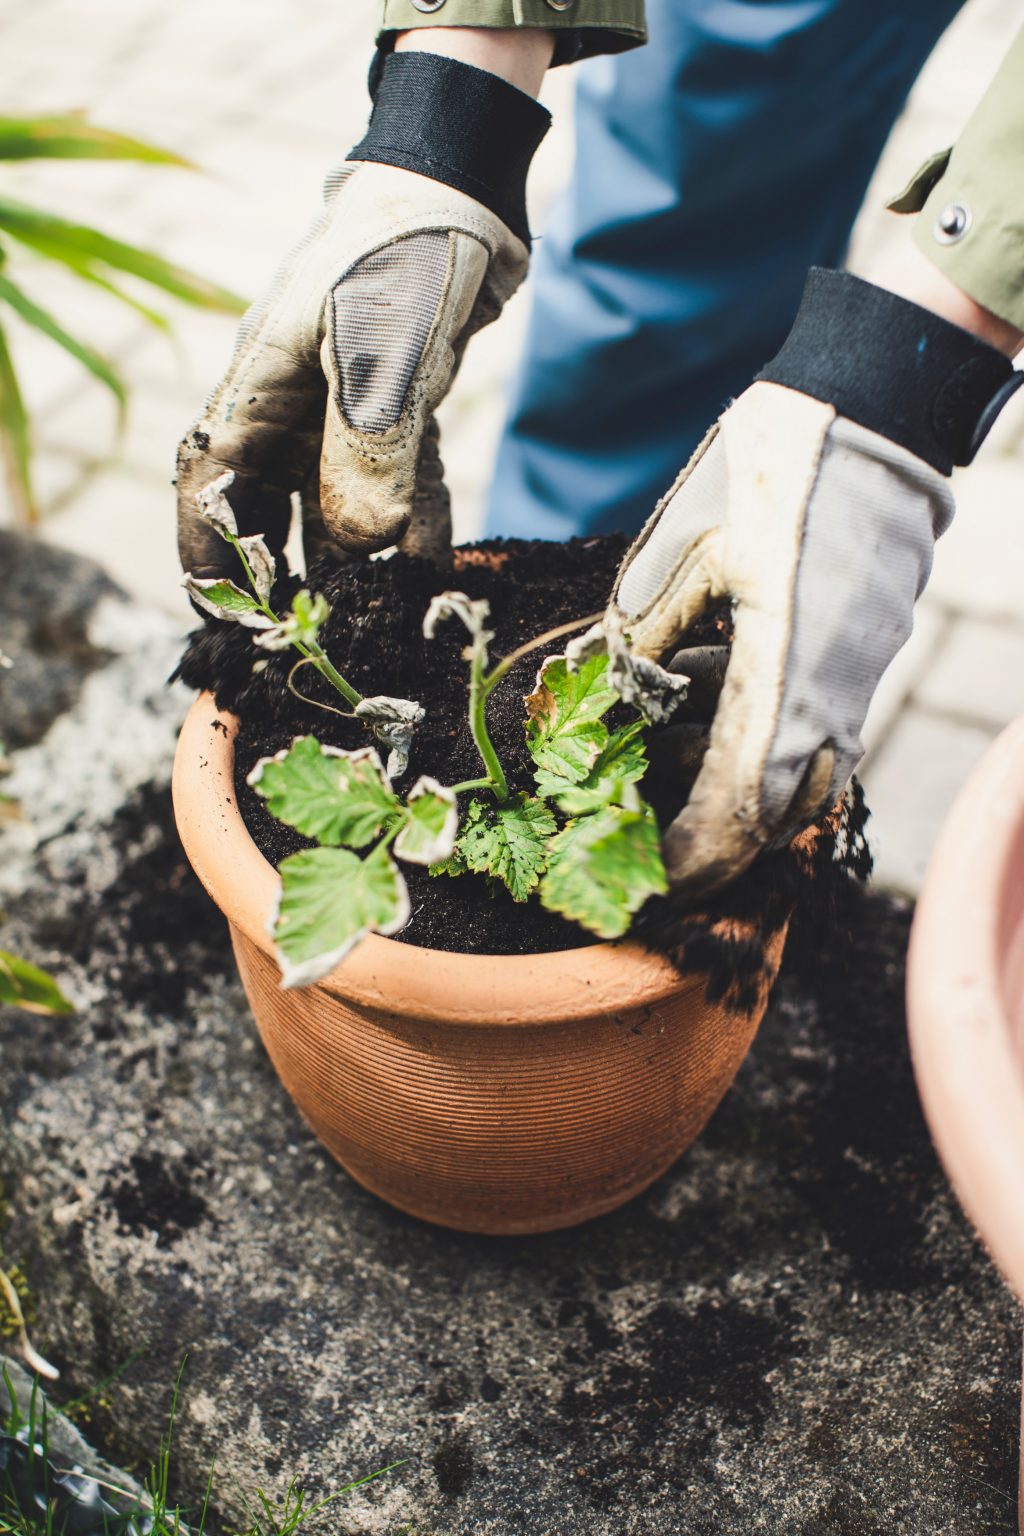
x: 328, y: 670
x: 506, y: 663
x: 478, y: 692
x: 468, y: 784
x: 313, y: 653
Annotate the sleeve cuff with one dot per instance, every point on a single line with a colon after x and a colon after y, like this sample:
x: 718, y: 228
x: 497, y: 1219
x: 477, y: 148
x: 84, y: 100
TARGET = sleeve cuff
x: 970, y: 200
x: 894, y: 368
x: 589, y: 26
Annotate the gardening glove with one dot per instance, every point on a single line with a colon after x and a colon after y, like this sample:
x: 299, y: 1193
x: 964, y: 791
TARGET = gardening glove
x: 814, y: 504
x: 339, y: 368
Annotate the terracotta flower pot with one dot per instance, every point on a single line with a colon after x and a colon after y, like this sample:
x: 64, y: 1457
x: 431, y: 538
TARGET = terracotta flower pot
x: 492, y: 1094
x: 965, y: 996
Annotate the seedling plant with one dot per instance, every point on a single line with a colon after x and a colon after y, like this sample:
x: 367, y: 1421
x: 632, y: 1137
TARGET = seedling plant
x: 582, y: 840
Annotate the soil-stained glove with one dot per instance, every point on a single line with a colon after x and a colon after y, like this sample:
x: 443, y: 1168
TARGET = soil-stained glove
x: 814, y: 504
x: 339, y: 368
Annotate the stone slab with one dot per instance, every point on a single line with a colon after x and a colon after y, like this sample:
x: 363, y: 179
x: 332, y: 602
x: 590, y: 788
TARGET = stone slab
x: 911, y: 784
x: 977, y: 674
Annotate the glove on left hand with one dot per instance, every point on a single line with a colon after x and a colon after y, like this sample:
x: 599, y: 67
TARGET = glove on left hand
x: 814, y: 504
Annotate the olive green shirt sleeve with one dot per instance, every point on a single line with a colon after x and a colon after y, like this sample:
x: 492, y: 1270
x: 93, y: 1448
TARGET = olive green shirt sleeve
x: 597, y: 26
x: 971, y: 198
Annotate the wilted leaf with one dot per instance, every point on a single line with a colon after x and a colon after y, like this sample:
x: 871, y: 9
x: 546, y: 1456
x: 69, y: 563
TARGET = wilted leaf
x: 622, y: 761
x: 394, y: 723
x: 330, y: 899
x: 224, y: 600
x: 25, y: 986
x: 602, y: 868
x: 262, y: 564
x: 508, y: 841
x: 564, y: 732
x: 428, y: 836
x: 473, y: 612
x: 323, y: 792
x: 214, y: 508
x: 636, y: 679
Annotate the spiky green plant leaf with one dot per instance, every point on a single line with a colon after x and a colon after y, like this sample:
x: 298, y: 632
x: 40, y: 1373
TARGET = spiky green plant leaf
x: 508, y: 841
x: 69, y: 136
x: 41, y: 320
x: 25, y: 986
x: 622, y: 761
x: 340, y: 798
x: 564, y: 731
x: 428, y: 836
x: 602, y: 868
x: 50, y: 235
x: 330, y: 899
x: 14, y: 437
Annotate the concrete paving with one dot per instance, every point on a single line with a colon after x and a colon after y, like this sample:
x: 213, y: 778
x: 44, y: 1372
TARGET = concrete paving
x: 793, y: 1332
x: 264, y: 98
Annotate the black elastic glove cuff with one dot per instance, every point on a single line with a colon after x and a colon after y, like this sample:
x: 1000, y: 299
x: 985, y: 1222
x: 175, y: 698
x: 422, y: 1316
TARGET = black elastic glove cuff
x: 895, y: 368
x: 459, y: 125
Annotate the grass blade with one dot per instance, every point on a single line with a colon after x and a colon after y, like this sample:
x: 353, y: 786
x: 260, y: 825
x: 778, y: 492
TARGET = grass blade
x: 30, y: 225
x: 14, y: 439
x: 88, y: 273
x: 68, y: 136
x: 42, y: 320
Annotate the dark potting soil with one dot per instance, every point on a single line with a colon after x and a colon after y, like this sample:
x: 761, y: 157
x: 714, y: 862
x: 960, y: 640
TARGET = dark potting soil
x: 374, y: 637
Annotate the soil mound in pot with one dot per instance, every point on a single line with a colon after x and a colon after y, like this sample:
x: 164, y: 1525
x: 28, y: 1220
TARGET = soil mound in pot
x: 374, y: 636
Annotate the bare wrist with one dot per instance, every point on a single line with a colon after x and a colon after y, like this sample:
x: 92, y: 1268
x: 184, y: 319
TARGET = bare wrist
x: 911, y: 275
x: 520, y: 55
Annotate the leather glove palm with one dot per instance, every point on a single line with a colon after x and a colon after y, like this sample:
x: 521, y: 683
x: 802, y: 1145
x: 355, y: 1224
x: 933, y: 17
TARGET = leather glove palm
x: 821, y: 528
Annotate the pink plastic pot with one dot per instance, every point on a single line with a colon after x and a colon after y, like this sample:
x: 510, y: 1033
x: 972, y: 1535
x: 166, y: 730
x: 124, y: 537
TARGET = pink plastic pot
x: 966, y: 1001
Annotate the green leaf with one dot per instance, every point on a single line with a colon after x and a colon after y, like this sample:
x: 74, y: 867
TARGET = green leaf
x: 564, y: 732
x: 226, y: 601
x: 623, y: 761
x: 428, y: 836
x: 68, y: 136
x: 602, y: 868
x: 14, y: 439
x: 41, y: 320
x: 330, y: 899
x: 82, y: 267
x: 60, y: 239
x: 337, y: 797
x: 508, y: 841
x: 26, y: 986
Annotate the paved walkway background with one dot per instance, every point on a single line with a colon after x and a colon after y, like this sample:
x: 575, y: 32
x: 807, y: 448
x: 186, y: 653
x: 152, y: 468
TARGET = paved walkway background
x: 264, y: 96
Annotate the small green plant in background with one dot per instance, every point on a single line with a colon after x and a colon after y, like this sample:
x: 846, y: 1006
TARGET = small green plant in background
x: 92, y: 256
x: 39, y: 1497
x: 23, y: 985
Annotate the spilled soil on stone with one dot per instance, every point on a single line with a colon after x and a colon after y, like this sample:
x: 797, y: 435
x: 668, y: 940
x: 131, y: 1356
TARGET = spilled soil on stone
x: 375, y: 638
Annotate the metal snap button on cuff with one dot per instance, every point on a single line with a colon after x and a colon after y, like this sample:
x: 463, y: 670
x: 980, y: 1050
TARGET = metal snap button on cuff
x: 561, y: 5
x: 952, y: 223
x: 428, y: 5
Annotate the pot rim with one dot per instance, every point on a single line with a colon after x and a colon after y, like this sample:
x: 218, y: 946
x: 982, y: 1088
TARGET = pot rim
x: 379, y: 973
x: 967, y: 1062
